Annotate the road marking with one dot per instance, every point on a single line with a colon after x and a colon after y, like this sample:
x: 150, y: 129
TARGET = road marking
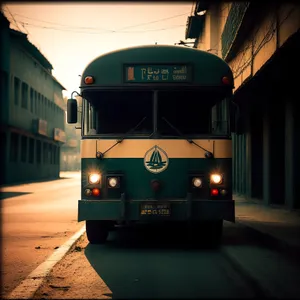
x: 28, y: 287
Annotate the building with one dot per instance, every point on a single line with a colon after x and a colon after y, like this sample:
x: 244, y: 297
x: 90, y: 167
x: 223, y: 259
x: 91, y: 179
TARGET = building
x: 32, y: 117
x: 70, y: 152
x: 261, y: 43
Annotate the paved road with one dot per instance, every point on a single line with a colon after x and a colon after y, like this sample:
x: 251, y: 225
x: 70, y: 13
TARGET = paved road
x: 146, y: 263
x: 36, y: 218
x: 142, y: 262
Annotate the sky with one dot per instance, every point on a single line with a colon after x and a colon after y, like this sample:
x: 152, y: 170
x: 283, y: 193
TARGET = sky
x: 71, y: 35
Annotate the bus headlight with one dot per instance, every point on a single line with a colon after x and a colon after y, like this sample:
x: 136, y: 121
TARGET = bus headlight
x: 216, y: 178
x: 113, y: 182
x: 197, y: 182
x: 94, y: 178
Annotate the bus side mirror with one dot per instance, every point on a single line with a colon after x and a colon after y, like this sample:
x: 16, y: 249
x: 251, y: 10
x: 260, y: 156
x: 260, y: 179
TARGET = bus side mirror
x: 72, y: 111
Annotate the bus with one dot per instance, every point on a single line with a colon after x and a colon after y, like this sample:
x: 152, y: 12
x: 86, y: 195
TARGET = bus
x: 156, y: 129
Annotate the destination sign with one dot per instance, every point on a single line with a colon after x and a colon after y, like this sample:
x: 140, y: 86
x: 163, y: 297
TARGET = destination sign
x: 157, y: 73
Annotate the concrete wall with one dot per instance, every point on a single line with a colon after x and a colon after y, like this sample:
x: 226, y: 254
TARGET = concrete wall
x: 266, y: 152
x: 28, y: 156
x: 265, y: 38
x: 41, y: 93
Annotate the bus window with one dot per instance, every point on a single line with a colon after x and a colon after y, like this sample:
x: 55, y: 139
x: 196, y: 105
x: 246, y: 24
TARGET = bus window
x: 190, y: 112
x: 117, y: 112
x: 220, y: 117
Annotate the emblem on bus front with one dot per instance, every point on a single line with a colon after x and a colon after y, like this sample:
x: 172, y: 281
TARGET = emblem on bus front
x: 156, y: 160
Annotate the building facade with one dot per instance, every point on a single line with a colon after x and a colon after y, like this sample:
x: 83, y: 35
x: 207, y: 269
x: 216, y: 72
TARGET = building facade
x: 261, y: 43
x: 32, y: 116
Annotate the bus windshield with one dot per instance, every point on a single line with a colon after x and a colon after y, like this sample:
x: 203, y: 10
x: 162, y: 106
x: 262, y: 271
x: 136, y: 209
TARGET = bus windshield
x: 115, y: 113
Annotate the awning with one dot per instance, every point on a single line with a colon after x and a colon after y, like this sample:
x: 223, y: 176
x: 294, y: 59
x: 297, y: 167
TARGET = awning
x: 195, y: 26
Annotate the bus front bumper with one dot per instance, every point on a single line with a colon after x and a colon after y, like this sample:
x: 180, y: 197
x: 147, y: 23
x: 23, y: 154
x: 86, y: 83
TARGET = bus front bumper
x: 175, y: 210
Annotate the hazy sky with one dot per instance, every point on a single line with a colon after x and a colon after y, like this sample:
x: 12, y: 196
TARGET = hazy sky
x: 71, y: 35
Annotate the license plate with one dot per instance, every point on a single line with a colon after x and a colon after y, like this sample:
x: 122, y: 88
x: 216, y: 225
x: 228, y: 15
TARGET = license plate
x: 156, y: 209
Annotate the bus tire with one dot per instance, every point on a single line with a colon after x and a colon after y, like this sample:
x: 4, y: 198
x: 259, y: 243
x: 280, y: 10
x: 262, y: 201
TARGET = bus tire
x: 215, y: 231
x: 207, y: 233
x: 97, y: 231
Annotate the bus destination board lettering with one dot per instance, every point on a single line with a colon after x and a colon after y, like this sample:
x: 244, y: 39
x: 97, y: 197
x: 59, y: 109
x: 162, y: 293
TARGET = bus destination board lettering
x: 157, y: 73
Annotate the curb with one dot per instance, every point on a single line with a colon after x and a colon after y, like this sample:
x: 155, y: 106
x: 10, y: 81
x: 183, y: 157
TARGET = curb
x: 270, y: 240
x: 260, y: 290
x: 28, y: 287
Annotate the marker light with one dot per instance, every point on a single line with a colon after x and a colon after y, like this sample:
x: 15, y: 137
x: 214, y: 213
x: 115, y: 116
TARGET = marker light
x: 197, y: 182
x: 89, y: 80
x: 113, y: 181
x: 226, y: 80
x: 94, y: 178
x: 216, y: 178
x: 96, y: 192
x: 214, y: 192
x: 223, y: 192
x: 88, y: 192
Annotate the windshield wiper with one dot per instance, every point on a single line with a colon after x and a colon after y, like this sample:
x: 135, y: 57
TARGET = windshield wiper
x: 208, y: 154
x: 131, y: 130
x: 101, y: 154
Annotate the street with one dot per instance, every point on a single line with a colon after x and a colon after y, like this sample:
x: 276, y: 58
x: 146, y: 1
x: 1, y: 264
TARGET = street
x: 145, y: 263
x: 36, y: 218
x: 141, y: 263
x: 136, y: 262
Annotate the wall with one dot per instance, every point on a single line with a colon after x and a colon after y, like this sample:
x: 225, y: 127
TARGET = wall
x: 41, y: 89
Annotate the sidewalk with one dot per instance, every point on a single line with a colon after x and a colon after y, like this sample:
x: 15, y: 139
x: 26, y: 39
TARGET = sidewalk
x: 278, y: 224
x: 23, y: 188
x: 62, y: 175
x: 271, y: 262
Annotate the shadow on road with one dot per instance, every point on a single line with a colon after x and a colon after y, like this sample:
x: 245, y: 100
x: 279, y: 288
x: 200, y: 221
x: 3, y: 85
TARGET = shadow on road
x: 5, y: 195
x: 33, y: 181
x: 153, y: 262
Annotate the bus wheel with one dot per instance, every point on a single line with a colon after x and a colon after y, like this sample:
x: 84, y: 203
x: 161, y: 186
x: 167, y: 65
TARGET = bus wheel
x: 97, y: 231
x: 215, y: 232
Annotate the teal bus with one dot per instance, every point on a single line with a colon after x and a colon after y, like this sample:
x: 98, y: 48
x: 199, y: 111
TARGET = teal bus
x: 156, y: 139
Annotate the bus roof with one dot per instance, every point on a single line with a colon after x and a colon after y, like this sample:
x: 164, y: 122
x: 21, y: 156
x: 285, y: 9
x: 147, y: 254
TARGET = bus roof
x: 128, y: 66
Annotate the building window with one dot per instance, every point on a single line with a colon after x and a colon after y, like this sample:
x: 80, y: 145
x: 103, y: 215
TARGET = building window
x: 57, y: 156
x: 14, y: 147
x: 48, y: 109
x: 24, y: 103
x: 45, y: 148
x: 17, y: 90
x: 31, y: 151
x: 31, y: 99
x: 3, y: 142
x: 35, y: 102
x: 42, y: 107
x: 23, y: 148
x: 49, y: 154
x: 45, y: 107
x: 4, y: 87
x: 38, y: 152
x: 54, y: 154
x: 39, y: 105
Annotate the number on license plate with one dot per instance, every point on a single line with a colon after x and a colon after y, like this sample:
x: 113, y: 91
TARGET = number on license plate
x: 155, y: 209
